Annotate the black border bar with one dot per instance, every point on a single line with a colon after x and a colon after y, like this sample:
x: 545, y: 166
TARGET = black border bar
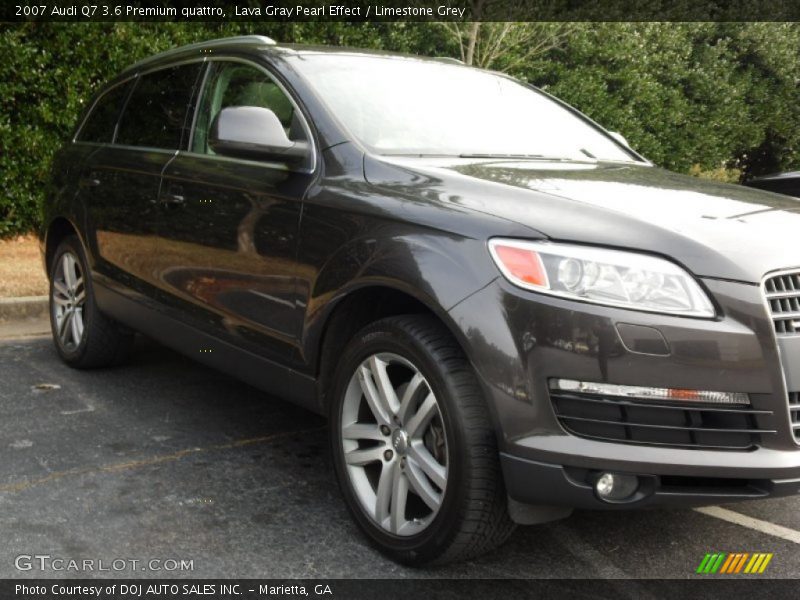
x: 18, y: 11
x: 743, y: 587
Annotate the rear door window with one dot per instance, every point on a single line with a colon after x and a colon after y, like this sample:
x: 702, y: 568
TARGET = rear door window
x: 101, y: 123
x: 158, y: 113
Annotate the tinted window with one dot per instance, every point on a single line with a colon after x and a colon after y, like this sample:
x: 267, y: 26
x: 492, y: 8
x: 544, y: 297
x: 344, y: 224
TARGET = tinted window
x: 99, y: 126
x: 235, y: 84
x: 156, y: 114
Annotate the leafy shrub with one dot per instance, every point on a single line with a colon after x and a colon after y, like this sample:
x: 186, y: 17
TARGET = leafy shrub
x: 721, y: 174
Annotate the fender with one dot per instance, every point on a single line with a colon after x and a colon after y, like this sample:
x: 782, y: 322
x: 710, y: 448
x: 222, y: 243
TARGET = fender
x: 420, y: 265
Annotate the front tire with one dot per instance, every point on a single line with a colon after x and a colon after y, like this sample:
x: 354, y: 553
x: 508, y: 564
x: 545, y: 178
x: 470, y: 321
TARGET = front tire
x: 414, y: 450
x: 84, y: 337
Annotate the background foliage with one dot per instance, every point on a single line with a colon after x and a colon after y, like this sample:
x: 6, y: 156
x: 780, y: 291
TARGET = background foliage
x: 711, y: 99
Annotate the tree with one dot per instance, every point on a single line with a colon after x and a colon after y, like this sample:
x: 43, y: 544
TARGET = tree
x: 505, y: 46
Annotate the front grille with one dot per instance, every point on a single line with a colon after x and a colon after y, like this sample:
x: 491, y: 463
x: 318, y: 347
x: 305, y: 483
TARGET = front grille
x: 636, y: 421
x: 794, y: 413
x: 782, y: 293
x: 783, y: 297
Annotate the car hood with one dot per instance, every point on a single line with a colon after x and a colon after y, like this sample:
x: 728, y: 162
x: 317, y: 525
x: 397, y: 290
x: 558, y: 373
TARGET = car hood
x: 715, y: 230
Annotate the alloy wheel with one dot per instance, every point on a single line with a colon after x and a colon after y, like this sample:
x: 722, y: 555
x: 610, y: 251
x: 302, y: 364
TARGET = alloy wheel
x: 68, y: 299
x: 394, y: 444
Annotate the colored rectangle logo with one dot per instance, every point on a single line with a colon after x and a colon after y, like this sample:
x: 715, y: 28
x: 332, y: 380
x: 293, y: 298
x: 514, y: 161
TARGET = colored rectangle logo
x: 734, y: 563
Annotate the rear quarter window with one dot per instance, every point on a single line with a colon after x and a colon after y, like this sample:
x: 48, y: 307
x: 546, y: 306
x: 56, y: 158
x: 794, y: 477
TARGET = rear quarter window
x: 101, y: 122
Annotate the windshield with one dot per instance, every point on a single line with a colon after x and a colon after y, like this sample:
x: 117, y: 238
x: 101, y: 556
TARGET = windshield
x: 412, y: 107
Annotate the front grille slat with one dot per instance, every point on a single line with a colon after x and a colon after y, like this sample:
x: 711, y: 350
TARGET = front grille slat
x: 641, y: 421
x: 782, y: 293
x: 676, y: 427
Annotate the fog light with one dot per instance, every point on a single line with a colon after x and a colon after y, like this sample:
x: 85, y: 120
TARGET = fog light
x: 613, y: 486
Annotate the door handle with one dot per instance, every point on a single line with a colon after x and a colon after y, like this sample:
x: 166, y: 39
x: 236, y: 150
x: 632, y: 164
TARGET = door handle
x: 172, y: 197
x: 89, y: 182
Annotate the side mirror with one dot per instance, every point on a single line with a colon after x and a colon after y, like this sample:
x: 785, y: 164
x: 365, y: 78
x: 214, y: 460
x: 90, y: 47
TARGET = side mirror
x: 620, y: 138
x: 253, y: 132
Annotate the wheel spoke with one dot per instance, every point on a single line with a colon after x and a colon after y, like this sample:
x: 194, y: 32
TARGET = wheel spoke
x: 64, y: 328
x: 61, y: 288
x: 60, y: 300
x: 416, y: 425
x: 363, y: 431
x: 409, y: 395
x: 77, y: 326
x: 80, y: 298
x: 399, y: 497
x: 383, y: 493
x: 364, y: 456
x: 422, y: 458
x: 421, y: 487
x: 374, y: 400
x: 384, y: 385
x: 68, y: 265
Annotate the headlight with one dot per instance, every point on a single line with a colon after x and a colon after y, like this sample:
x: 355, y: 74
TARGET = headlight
x: 601, y: 276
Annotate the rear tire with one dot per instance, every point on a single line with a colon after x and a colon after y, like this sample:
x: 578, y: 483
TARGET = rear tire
x: 84, y: 337
x: 414, y: 450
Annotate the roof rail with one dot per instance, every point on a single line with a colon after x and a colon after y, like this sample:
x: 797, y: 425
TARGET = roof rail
x: 449, y: 59
x: 209, y: 45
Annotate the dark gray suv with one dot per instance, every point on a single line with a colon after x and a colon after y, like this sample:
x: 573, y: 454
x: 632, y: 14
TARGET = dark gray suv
x: 505, y: 311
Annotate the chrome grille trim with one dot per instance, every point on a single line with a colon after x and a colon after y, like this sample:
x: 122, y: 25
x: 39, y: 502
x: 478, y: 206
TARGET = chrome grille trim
x: 794, y: 414
x: 782, y: 293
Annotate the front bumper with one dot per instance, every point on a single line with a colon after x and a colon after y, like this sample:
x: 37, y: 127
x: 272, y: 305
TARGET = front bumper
x: 543, y: 484
x: 519, y: 340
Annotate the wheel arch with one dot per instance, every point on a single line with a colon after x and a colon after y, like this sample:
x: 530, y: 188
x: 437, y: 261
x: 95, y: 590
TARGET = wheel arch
x: 57, y: 230
x: 359, y: 306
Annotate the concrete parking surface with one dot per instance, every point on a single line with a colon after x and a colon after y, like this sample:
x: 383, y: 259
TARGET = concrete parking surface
x: 166, y: 459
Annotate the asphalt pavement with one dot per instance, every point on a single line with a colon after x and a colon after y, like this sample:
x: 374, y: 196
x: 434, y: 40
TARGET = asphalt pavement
x: 166, y: 459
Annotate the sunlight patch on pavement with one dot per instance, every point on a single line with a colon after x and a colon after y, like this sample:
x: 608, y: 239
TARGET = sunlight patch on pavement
x: 766, y: 527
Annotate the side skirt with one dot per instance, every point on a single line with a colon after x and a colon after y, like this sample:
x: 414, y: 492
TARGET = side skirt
x: 206, y: 349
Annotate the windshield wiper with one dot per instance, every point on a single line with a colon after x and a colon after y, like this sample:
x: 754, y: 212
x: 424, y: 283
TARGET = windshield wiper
x: 501, y: 156
x: 417, y: 155
x: 519, y: 156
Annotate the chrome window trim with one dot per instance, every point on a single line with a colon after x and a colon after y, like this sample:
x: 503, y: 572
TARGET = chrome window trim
x: 150, y: 149
x: 245, y: 161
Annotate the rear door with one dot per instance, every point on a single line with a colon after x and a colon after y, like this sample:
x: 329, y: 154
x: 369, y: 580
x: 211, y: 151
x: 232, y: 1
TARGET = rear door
x: 229, y: 236
x: 124, y: 209
x: 96, y: 175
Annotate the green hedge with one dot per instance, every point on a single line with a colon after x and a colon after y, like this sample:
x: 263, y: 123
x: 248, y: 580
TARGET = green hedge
x: 699, y: 96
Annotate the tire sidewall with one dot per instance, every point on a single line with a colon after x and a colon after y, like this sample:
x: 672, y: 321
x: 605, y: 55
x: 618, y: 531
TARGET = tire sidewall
x: 426, y: 545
